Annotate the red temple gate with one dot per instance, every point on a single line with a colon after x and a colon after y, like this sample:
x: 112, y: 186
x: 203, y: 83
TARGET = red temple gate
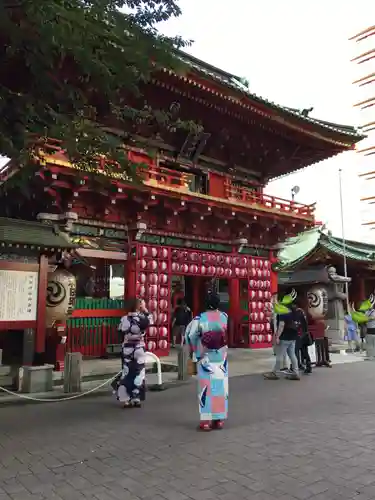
x: 149, y: 277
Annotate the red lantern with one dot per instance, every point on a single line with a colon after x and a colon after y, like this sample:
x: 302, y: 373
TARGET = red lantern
x: 151, y: 346
x: 211, y: 270
x: 163, y: 305
x: 153, y: 278
x: 163, y: 279
x: 163, y: 266
x: 164, y: 253
x: 154, y: 252
x: 152, y: 331
x: 152, y: 290
x: 163, y: 344
x: 153, y: 265
x: 194, y: 269
x: 184, y: 268
x: 142, y: 264
x: 163, y: 331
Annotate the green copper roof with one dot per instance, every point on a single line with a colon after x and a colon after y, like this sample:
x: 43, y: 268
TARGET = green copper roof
x: 16, y: 232
x: 298, y: 248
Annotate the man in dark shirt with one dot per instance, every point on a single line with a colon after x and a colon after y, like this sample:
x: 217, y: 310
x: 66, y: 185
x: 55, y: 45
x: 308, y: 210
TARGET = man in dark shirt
x: 182, y: 316
x: 288, y: 327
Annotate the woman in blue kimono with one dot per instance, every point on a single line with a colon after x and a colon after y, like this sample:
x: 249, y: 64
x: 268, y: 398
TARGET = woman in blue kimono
x: 206, y: 338
x: 130, y: 385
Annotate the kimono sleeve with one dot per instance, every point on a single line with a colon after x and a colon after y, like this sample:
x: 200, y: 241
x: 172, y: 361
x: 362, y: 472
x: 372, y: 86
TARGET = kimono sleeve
x: 124, y: 325
x: 192, y: 337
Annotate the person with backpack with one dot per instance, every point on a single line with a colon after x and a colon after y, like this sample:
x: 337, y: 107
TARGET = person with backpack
x: 182, y: 316
x: 286, y: 336
x: 206, y: 337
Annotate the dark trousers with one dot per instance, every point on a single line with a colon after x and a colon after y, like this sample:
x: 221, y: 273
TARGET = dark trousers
x: 302, y: 354
x: 305, y: 356
x: 322, y: 352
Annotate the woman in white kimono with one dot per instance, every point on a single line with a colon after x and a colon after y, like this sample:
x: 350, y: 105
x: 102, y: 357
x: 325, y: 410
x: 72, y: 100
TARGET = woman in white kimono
x: 206, y: 338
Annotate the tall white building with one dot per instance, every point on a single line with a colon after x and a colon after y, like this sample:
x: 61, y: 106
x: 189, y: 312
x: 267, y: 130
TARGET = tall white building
x: 364, y: 67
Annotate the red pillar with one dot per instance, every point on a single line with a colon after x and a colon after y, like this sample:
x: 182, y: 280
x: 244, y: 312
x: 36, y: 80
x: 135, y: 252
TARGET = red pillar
x: 234, y: 310
x: 273, y: 278
x: 130, y: 279
x: 40, y: 333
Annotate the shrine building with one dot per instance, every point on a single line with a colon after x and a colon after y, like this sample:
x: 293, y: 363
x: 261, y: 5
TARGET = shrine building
x: 199, y: 218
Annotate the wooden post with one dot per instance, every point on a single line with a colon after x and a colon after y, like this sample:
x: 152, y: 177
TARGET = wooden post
x: 40, y: 334
x: 182, y: 363
x: 73, y: 372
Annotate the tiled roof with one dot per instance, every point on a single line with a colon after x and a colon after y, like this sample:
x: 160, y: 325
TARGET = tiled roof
x: 298, y: 248
x: 236, y: 83
x: 32, y: 234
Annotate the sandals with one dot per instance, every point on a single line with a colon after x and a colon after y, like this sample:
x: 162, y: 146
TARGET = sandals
x: 217, y: 425
x: 205, y: 426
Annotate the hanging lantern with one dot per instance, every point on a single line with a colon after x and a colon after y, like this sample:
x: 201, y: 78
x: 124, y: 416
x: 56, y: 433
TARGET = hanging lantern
x: 151, y: 345
x: 254, y: 339
x: 153, y: 305
x: 194, y: 256
x: 203, y: 269
x: 184, y: 268
x: 163, y: 266
x: 163, y: 331
x: 141, y: 290
x: 144, y: 251
x: 163, y: 279
x: 211, y: 270
x: 164, y: 253
x: 175, y: 267
x: 152, y: 290
x: 228, y: 261
x: 228, y: 273
x: 61, y: 295
x: 163, y: 292
x: 154, y: 252
x: 142, y: 264
x: 152, y: 265
x: 152, y: 331
x: 153, y: 278
x: 220, y: 271
x: 163, y: 344
x: 163, y: 304
x: 162, y: 318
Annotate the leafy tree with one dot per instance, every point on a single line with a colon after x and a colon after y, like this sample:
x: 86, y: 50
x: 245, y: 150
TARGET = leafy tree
x: 67, y: 65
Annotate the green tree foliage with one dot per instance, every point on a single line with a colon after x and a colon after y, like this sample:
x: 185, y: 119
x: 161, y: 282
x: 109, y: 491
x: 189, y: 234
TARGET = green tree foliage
x: 67, y: 65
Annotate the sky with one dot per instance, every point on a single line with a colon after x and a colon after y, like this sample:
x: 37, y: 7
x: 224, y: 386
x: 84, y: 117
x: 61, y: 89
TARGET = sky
x: 296, y: 53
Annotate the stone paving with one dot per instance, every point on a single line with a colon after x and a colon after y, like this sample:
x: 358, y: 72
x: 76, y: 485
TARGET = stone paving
x: 313, y: 439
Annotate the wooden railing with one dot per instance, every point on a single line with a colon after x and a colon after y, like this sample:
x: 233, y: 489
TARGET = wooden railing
x: 166, y: 177
x: 252, y: 197
x: 163, y: 176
